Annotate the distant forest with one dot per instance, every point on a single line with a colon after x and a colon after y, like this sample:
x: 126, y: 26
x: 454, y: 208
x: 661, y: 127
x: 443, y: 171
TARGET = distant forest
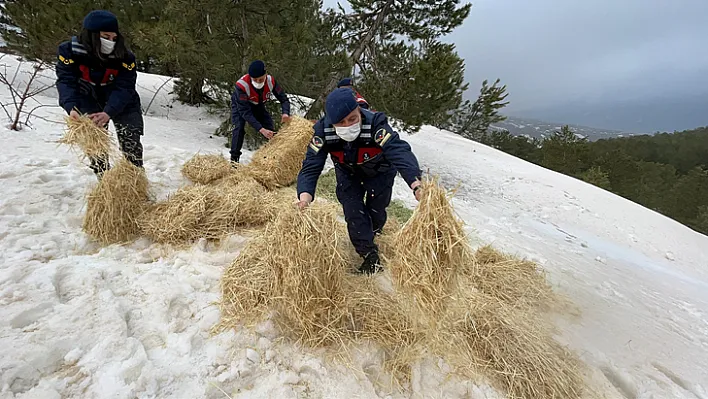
x: 666, y: 172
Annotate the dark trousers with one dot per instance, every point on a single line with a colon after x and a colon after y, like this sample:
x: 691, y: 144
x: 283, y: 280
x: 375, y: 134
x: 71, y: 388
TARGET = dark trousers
x: 129, y: 127
x: 364, y: 201
x: 237, y: 135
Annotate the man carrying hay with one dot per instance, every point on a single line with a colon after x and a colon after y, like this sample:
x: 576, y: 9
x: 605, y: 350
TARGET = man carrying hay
x: 248, y: 105
x: 366, y: 153
x: 96, y: 76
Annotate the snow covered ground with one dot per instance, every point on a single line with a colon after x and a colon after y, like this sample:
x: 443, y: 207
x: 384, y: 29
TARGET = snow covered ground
x: 134, y: 321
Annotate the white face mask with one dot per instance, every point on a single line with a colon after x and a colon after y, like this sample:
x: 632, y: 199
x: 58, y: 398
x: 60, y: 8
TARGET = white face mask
x: 349, y: 133
x: 107, y: 46
x: 258, y: 85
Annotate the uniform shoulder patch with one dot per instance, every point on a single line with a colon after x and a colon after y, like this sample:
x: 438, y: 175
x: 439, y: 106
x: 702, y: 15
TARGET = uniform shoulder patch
x: 382, y: 136
x: 65, y: 60
x: 129, y: 66
x: 316, y: 143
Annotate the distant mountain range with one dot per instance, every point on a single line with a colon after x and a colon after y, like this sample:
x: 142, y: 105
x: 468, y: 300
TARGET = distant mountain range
x: 668, y: 113
x: 540, y: 129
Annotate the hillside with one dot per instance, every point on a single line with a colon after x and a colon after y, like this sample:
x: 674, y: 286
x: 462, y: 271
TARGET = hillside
x: 540, y: 129
x: 135, y: 320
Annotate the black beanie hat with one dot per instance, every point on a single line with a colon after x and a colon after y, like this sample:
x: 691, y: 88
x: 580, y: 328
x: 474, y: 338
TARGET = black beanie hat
x: 257, y: 69
x: 101, y: 20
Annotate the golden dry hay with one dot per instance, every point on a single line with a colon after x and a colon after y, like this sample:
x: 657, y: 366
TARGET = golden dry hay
x: 116, y: 204
x: 92, y: 140
x: 511, y: 280
x: 177, y: 219
x: 512, y: 346
x: 488, y: 323
x: 209, y: 211
x: 205, y: 169
x: 279, y: 161
x: 301, y: 250
x: 430, y: 250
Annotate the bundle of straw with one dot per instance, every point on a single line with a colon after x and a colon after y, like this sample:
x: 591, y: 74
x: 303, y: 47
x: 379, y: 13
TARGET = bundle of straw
x: 205, y: 169
x: 430, y: 249
x: 92, y: 140
x: 209, y: 211
x: 116, y: 204
x: 177, y: 219
x: 278, y: 162
x: 301, y: 251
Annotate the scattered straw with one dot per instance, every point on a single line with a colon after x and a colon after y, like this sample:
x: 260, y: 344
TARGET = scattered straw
x: 512, y: 348
x: 205, y: 169
x: 511, y: 280
x: 92, y: 140
x: 211, y: 212
x: 116, y: 204
x: 278, y: 162
x: 482, y: 314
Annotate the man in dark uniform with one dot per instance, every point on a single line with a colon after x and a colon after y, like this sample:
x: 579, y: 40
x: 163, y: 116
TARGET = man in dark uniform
x: 348, y: 83
x: 366, y: 153
x: 248, y: 105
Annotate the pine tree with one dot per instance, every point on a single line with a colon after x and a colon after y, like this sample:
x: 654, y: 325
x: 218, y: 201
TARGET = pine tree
x: 565, y: 152
x: 382, y: 35
x: 472, y: 120
x: 597, y: 177
x: 421, y: 94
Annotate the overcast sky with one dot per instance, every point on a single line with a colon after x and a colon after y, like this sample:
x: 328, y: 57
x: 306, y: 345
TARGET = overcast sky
x: 551, y: 52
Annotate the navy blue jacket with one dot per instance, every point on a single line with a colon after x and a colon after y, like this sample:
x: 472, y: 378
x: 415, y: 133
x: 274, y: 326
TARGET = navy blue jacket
x: 243, y: 108
x: 377, y: 150
x: 85, y: 79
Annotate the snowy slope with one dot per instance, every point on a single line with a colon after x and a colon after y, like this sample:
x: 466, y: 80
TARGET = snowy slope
x: 131, y: 321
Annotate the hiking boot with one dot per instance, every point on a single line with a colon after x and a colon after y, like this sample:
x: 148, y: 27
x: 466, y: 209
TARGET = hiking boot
x: 371, y: 264
x: 235, y: 161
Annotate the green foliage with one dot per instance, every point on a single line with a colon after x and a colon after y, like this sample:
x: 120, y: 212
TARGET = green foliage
x: 691, y: 194
x: 43, y: 25
x: 597, y: 177
x: 395, y: 46
x: 472, y: 120
x: 564, y: 152
x: 665, y: 172
x: 701, y: 221
x: 416, y: 84
x: 400, y: 211
x: 327, y: 186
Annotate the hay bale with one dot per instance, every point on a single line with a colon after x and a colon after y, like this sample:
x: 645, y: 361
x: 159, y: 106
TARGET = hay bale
x: 116, y: 204
x: 205, y: 169
x: 209, y: 211
x: 430, y: 249
x: 278, y: 162
x: 94, y: 141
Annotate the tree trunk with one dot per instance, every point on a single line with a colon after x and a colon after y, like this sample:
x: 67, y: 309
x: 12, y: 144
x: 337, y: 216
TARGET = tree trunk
x: 363, y: 43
